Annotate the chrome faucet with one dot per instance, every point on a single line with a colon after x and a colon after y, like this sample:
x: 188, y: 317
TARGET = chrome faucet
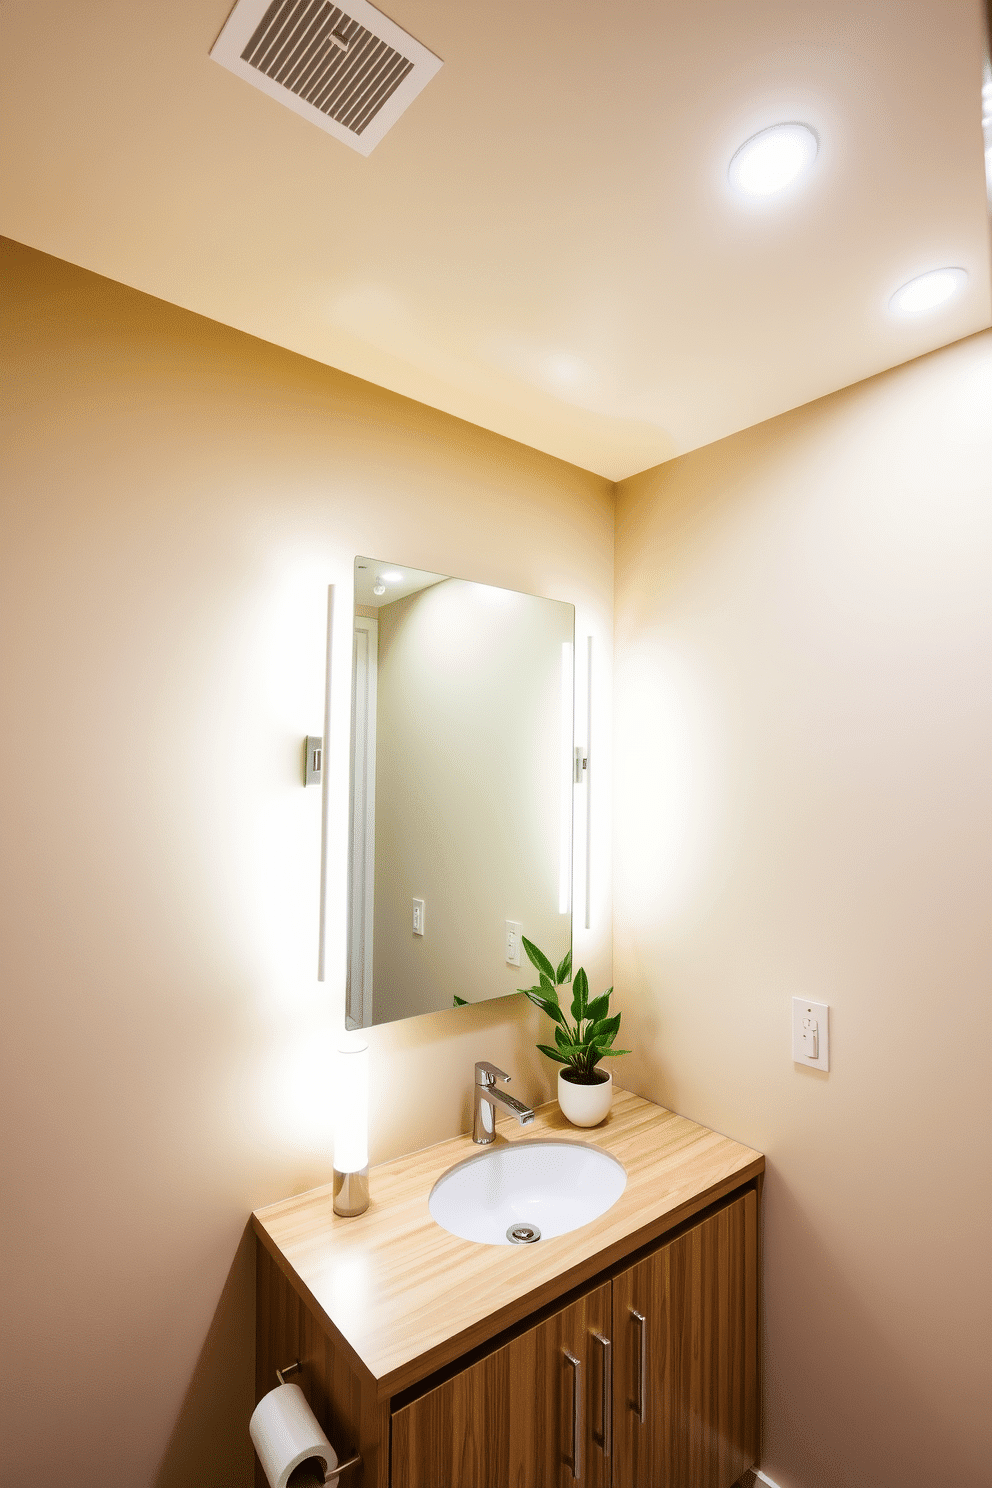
x: 487, y: 1098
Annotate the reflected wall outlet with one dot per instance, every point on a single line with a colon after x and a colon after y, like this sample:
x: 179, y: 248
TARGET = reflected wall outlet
x: 418, y: 916
x: 514, y: 930
x: 810, y: 1030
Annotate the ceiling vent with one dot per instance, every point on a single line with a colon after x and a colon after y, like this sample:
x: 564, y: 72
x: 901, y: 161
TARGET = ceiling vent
x: 352, y: 72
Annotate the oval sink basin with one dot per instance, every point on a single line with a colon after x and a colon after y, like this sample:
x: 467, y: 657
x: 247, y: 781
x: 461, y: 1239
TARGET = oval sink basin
x: 505, y: 1195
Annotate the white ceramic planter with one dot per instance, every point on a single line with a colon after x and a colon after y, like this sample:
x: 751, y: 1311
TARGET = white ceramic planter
x: 585, y: 1105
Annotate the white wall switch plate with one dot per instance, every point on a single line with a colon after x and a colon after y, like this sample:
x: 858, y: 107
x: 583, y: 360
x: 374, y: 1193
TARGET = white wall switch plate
x: 810, y: 1033
x: 418, y: 916
x: 514, y: 930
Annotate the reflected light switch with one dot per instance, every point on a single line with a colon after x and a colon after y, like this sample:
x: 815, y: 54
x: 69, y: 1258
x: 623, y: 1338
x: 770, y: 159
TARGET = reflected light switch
x: 514, y: 930
x: 809, y: 1033
x: 418, y: 916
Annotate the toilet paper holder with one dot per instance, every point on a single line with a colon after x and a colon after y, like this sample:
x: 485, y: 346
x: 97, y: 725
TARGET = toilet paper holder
x: 355, y: 1459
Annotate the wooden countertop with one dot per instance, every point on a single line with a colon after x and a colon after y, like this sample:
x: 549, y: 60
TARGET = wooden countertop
x: 405, y: 1297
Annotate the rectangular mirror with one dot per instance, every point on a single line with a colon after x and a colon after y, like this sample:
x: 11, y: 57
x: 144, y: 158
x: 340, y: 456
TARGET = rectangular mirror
x: 462, y: 768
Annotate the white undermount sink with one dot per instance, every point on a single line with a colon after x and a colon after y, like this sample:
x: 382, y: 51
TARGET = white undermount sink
x: 519, y: 1192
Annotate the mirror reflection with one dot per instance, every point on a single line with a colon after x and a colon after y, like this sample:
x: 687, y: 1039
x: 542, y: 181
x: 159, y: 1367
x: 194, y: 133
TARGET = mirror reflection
x: 461, y: 790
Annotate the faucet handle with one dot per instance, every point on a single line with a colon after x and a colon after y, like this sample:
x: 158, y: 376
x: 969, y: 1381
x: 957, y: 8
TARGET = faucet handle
x: 488, y: 1074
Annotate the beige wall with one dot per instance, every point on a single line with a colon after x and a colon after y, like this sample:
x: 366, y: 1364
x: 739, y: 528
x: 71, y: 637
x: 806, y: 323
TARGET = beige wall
x: 468, y: 792
x: 804, y: 806
x: 177, y: 497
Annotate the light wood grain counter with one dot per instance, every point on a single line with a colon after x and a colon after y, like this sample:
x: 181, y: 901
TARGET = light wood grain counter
x: 405, y: 1297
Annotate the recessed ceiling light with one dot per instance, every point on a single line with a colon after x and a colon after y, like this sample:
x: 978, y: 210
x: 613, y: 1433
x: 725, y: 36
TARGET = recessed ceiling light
x: 927, y: 291
x: 770, y: 161
x: 378, y: 587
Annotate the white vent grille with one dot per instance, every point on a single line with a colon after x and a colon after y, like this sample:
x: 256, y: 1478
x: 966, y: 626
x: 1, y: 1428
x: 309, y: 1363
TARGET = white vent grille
x: 352, y: 72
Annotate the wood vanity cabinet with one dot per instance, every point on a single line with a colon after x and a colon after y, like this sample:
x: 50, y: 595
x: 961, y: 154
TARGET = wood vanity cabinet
x: 534, y: 1412
x: 663, y: 1392
x: 685, y: 1385
x: 635, y: 1367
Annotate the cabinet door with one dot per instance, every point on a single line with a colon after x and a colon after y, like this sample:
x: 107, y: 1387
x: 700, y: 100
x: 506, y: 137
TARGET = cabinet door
x: 686, y: 1367
x: 533, y: 1414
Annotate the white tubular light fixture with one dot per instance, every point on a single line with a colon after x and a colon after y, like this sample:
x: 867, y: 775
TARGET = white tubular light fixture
x: 351, y: 1127
x: 325, y: 794
x: 567, y: 767
x: 588, y: 773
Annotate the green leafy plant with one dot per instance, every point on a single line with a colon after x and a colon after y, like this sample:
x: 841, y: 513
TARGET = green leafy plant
x: 582, y: 1044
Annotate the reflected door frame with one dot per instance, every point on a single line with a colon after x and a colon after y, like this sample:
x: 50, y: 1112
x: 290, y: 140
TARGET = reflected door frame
x: 365, y: 672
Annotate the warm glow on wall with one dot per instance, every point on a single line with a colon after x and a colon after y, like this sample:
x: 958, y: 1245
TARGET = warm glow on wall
x: 667, y: 777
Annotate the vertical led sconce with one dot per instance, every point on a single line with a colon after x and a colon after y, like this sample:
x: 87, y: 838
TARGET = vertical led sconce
x: 325, y: 794
x: 351, y: 1128
x: 588, y: 778
x: 565, y: 821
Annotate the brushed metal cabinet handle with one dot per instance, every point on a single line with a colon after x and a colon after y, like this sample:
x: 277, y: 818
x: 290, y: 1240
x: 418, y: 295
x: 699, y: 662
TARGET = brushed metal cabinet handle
x: 607, y: 1439
x: 575, y: 1462
x: 642, y: 1365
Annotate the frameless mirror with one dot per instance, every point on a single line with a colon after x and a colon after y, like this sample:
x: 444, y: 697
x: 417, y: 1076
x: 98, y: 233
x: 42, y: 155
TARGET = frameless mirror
x: 461, y: 790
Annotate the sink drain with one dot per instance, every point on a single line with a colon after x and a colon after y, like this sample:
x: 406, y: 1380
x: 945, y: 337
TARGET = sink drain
x: 522, y: 1234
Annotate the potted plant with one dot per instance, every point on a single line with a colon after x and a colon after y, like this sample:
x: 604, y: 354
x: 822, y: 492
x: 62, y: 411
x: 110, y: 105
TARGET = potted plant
x: 585, y: 1092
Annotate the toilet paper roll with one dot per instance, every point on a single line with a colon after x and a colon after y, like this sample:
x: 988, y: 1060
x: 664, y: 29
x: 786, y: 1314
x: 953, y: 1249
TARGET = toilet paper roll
x: 286, y: 1432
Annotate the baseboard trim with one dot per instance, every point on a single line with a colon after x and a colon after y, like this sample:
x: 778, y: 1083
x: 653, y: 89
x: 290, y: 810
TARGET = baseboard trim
x: 753, y: 1477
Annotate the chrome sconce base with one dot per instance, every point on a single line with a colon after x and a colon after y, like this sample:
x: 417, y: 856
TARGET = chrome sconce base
x: 351, y: 1192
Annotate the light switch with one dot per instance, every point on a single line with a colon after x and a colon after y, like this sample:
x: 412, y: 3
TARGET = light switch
x: 514, y: 930
x: 809, y: 1036
x: 418, y: 916
x: 809, y: 1033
